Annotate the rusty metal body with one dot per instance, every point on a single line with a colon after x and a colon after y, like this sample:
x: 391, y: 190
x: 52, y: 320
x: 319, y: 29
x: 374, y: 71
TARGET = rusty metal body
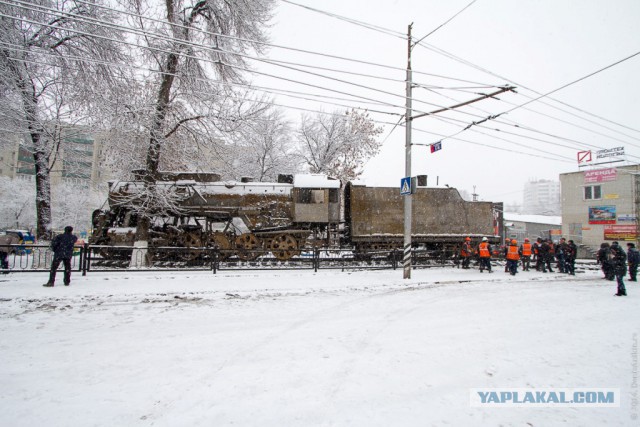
x: 242, y: 219
x: 441, y: 218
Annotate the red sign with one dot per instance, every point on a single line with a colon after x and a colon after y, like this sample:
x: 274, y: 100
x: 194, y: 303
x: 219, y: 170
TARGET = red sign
x: 584, y: 156
x: 620, y: 232
x: 600, y: 175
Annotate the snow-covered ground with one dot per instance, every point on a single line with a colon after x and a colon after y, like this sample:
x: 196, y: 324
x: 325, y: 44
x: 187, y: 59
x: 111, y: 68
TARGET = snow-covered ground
x: 297, y: 348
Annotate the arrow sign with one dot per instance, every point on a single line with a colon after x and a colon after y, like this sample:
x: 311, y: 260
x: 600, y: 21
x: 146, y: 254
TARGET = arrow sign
x: 405, y: 186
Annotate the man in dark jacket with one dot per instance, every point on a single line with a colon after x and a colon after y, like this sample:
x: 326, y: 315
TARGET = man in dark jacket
x: 62, y: 247
x: 603, y: 260
x: 572, y: 253
x: 618, y: 261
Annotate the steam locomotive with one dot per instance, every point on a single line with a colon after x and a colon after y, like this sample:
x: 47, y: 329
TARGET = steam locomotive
x: 246, y: 219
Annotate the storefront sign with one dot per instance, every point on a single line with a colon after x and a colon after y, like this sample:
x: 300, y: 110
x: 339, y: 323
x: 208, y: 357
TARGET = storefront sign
x: 626, y: 217
x: 621, y: 232
x: 610, y: 153
x: 602, y: 214
x: 600, y: 175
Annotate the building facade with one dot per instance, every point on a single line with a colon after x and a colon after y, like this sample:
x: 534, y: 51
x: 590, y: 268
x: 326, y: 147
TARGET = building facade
x: 601, y: 205
x: 541, y: 197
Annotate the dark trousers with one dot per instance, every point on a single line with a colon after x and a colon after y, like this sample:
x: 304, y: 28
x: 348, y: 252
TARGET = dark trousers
x: 485, y: 263
x: 621, y: 288
x: 633, y: 271
x: 526, y: 263
x: 512, y: 266
x: 67, y: 270
x: 4, y: 261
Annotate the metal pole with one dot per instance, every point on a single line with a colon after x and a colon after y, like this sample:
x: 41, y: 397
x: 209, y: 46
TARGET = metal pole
x: 406, y: 259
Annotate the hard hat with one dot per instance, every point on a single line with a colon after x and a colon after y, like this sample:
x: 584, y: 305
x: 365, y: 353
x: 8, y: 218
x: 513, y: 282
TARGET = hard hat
x: 526, y: 239
x: 514, y: 241
x: 467, y: 239
x: 484, y: 239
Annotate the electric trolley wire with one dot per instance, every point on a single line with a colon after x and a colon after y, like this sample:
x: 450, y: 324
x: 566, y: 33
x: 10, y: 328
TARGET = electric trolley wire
x: 129, y: 29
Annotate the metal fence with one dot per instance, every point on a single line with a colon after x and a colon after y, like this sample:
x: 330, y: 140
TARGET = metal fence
x: 37, y: 258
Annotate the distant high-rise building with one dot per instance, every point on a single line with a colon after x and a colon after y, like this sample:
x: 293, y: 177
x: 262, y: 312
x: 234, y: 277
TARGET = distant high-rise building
x: 541, y: 197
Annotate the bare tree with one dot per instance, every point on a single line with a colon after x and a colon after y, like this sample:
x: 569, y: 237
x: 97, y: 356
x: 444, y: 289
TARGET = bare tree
x: 264, y: 149
x: 196, y: 53
x: 56, y: 60
x: 17, y: 209
x: 338, y: 144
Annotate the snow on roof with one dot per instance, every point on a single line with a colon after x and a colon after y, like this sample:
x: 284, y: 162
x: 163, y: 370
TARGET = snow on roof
x: 535, y: 219
x: 315, y: 181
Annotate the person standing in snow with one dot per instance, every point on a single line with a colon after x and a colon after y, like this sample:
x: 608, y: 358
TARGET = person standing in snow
x: 536, y: 254
x: 633, y: 258
x: 513, y: 256
x: 618, y: 261
x: 62, y: 247
x: 5, y: 249
x: 572, y: 253
x: 466, y: 252
x: 484, y: 252
x: 525, y: 253
x: 603, y: 260
x: 544, y: 257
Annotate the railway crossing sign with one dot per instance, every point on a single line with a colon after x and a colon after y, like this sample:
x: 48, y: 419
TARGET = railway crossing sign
x: 405, y: 186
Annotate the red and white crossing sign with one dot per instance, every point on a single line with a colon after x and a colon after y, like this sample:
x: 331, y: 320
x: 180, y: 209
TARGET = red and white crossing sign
x: 584, y: 156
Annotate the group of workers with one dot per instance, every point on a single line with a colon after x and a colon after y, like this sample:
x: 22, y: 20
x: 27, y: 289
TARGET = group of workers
x: 542, y: 253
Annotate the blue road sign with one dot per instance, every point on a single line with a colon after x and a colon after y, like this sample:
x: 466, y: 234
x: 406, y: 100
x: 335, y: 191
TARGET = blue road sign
x: 405, y: 186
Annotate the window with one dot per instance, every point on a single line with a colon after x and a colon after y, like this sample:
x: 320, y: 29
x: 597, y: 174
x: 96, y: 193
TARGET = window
x: 593, y: 192
x: 333, y: 195
x: 308, y: 196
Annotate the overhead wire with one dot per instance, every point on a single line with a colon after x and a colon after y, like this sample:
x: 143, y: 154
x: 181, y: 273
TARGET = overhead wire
x: 468, y: 63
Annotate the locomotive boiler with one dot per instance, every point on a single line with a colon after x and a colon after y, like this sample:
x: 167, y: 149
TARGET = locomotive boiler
x: 241, y: 218
x: 247, y: 219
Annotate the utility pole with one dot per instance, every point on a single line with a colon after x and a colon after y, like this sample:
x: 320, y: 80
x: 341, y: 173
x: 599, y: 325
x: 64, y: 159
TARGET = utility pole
x: 406, y: 259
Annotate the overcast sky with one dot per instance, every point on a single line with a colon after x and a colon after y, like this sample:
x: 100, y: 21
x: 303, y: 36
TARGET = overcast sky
x: 535, y: 45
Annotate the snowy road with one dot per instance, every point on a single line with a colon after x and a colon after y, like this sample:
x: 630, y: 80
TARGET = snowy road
x: 305, y: 349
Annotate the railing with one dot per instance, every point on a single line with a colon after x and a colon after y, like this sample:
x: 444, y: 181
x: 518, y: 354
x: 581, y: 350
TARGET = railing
x: 37, y: 258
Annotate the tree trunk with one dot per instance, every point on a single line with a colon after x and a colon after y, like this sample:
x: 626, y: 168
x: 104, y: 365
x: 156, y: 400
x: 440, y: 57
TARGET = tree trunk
x: 140, y: 256
x: 41, y: 162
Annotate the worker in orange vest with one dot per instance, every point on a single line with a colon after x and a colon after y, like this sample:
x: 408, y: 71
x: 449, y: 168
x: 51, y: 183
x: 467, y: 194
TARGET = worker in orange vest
x: 513, y: 256
x: 466, y: 252
x: 525, y: 254
x: 484, y: 252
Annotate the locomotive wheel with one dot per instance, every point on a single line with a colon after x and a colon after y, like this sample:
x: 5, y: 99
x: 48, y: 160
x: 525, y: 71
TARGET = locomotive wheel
x: 284, y: 247
x: 190, y: 239
x: 221, y: 241
x: 246, y: 245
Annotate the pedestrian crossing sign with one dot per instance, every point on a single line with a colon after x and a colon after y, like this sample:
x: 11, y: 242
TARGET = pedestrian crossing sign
x: 405, y: 186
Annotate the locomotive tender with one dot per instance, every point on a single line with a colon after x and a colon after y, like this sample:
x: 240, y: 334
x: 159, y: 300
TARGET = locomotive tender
x: 246, y: 219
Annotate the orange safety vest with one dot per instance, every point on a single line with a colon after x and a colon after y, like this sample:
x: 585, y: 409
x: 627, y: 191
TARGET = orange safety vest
x: 512, y: 253
x: 466, y: 250
x: 483, y: 249
x: 526, y: 249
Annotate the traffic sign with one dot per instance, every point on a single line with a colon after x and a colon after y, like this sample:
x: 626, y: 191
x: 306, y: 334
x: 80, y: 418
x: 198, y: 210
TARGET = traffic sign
x: 405, y: 186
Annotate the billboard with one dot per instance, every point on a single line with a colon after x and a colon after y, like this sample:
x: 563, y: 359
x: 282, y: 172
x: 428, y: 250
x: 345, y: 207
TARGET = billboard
x: 620, y: 232
x: 600, y: 175
x: 602, y: 214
